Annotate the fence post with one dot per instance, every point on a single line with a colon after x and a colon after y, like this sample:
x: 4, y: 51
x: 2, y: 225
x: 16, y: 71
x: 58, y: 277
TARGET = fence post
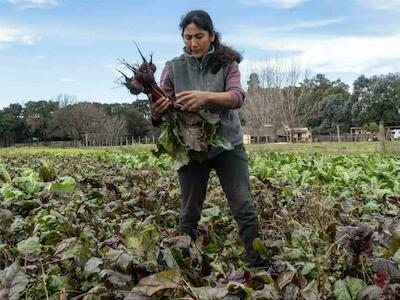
x: 338, y: 132
x: 381, y: 136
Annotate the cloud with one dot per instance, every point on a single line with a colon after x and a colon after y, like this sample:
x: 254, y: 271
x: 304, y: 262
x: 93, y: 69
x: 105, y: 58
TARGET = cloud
x: 365, y: 54
x: 275, y: 3
x: 66, y: 79
x: 32, y: 3
x: 292, y: 27
x: 389, y: 5
x: 325, y: 53
x: 75, y: 32
x: 11, y: 35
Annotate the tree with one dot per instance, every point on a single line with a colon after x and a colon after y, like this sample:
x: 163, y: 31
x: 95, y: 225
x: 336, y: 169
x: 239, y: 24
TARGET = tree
x: 113, y: 127
x: 323, y: 94
x: 64, y: 100
x: 73, y: 121
x: 12, y: 127
x: 142, y: 105
x: 136, y: 115
x: 137, y: 125
x: 276, y: 97
x: 332, y: 112
x: 86, y: 121
x: 376, y: 99
x: 37, y: 115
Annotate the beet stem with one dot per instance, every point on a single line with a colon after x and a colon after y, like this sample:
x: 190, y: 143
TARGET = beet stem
x: 144, y: 59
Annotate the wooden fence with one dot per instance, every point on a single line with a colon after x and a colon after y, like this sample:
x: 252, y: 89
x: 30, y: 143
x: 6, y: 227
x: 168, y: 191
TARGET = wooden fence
x: 344, y: 137
x: 132, y: 140
x: 118, y: 141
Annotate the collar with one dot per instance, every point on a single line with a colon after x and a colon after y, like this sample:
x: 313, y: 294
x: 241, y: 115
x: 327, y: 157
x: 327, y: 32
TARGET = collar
x: 204, y: 59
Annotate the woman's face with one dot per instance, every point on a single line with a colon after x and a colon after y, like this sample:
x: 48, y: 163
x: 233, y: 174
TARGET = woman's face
x: 197, y: 40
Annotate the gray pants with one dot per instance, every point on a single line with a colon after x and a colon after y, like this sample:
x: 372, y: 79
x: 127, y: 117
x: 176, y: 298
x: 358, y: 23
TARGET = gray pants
x: 232, y: 170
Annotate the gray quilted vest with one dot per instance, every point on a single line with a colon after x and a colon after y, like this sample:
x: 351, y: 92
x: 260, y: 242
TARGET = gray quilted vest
x: 188, y: 73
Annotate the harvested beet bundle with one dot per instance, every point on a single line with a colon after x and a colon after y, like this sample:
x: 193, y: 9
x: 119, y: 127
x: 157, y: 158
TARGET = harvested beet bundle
x: 183, y: 135
x: 143, y: 80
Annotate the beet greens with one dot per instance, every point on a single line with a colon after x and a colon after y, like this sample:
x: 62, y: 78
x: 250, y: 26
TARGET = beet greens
x: 183, y: 135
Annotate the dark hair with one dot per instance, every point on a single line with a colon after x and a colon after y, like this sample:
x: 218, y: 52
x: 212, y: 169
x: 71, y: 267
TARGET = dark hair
x: 223, y: 54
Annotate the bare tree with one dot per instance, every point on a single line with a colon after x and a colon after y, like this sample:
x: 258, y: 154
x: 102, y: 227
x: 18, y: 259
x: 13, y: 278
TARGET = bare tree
x: 113, y: 127
x: 65, y: 100
x: 86, y: 121
x: 258, y: 109
x: 276, y: 97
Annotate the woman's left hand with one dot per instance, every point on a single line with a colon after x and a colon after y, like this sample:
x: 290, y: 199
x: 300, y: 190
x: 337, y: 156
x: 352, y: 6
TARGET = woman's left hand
x: 192, y: 100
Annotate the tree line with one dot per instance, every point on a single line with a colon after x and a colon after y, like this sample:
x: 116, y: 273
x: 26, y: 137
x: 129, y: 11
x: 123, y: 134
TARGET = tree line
x: 278, y: 95
x: 282, y: 95
x: 66, y: 119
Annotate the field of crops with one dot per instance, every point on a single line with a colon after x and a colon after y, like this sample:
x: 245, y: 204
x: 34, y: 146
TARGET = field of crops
x: 103, y: 225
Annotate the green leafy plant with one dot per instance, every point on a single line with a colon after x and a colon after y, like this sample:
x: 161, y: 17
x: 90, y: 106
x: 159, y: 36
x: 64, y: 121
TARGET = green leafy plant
x: 183, y: 135
x: 106, y: 226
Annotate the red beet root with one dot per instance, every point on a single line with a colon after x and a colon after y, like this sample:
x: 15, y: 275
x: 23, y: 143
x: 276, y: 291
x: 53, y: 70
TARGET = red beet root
x: 143, y: 79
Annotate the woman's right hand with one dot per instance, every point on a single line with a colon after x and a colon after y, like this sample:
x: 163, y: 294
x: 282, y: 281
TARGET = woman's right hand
x: 158, y: 107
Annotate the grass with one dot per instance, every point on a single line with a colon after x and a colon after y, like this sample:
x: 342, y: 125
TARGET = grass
x: 88, y: 150
x: 326, y: 147
x: 392, y: 147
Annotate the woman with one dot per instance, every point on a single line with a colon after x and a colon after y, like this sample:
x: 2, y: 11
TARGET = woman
x: 207, y: 76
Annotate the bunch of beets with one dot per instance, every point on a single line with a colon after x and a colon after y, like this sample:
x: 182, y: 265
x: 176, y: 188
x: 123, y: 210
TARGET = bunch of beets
x: 143, y: 80
x: 183, y: 135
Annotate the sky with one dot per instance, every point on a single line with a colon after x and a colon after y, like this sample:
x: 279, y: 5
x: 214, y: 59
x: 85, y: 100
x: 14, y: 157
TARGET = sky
x: 53, y: 47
